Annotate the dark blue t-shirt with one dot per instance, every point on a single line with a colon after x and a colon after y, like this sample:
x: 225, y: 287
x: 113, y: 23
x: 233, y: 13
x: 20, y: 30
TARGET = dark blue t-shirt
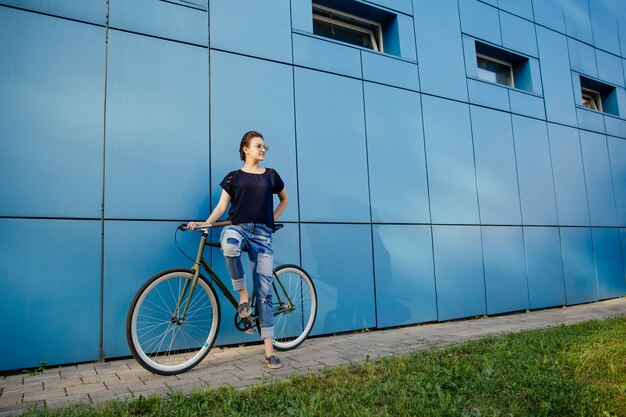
x: 251, y: 196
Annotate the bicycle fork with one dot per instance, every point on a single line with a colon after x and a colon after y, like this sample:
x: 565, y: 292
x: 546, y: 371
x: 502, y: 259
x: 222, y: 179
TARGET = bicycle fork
x: 196, y: 268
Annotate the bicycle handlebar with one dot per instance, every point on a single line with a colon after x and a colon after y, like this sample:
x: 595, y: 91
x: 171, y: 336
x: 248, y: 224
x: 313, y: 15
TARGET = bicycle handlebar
x: 183, y: 227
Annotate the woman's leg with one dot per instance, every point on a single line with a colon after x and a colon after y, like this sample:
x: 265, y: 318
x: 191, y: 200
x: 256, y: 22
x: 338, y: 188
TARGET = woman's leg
x: 232, y: 242
x: 262, y: 278
x: 262, y: 257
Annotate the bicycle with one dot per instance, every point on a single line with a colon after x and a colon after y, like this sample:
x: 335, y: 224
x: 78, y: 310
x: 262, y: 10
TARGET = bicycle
x: 174, y: 318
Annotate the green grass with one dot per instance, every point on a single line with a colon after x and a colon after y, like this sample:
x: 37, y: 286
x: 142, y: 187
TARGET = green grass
x: 577, y: 370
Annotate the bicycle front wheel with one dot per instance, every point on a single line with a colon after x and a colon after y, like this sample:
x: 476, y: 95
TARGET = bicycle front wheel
x: 159, y: 339
x: 295, y: 306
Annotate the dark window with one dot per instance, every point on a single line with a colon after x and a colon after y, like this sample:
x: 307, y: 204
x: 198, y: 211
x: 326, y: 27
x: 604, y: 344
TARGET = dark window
x: 598, y: 96
x: 503, y: 67
x: 494, y: 70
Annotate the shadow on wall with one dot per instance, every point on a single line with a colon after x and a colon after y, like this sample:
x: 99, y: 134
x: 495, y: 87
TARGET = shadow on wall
x: 339, y: 258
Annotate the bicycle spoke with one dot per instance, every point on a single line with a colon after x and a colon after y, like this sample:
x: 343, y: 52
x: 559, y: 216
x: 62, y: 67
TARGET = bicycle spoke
x: 168, y: 344
x: 295, y: 317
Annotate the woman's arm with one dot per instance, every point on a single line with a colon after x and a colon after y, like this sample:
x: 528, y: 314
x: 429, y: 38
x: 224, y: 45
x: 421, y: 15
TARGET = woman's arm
x: 284, y: 200
x: 218, y: 211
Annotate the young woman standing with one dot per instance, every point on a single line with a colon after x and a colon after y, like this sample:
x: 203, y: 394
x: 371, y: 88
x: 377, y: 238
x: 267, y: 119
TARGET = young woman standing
x: 249, y: 191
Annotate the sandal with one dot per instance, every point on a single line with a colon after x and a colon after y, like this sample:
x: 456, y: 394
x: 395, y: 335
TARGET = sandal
x: 244, y: 310
x: 273, y: 362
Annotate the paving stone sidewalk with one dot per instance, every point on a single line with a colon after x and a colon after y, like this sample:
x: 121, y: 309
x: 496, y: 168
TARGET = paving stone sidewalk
x: 92, y: 383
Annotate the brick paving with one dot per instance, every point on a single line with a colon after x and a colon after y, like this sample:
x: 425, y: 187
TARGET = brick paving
x: 119, y: 380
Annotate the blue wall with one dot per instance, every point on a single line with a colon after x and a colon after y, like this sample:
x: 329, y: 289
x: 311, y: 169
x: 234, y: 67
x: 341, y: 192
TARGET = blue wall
x: 419, y: 192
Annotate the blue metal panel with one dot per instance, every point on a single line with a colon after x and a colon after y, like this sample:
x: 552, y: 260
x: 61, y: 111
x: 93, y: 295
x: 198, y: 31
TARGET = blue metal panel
x: 604, y: 25
x: 600, y: 195
x: 405, y: 282
x: 549, y: 13
x: 527, y: 104
x: 621, y: 102
x: 159, y: 18
x: 578, y: 265
x: 582, y: 57
x: 52, y: 303
x: 523, y: 8
x: 450, y: 159
x: 331, y: 129
x: 469, y: 50
x: 590, y: 120
x: 156, y: 148
x: 534, y: 170
x: 199, y: 4
x: 577, y: 20
x: 620, y: 14
x: 617, y: 156
x: 386, y: 70
x: 505, y: 270
x: 480, y: 20
x: 133, y: 252
x: 235, y: 27
x: 237, y: 85
x: 556, y: 75
x: 325, y: 55
x: 615, y: 126
x: 52, y: 101
x: 287, y: 245
x: 403, y: 6
x: 339, y: 259
x: 569, y: 178
x: 459, y: 271
x: 610, y: 68
x: 397, y: 165
x: 86, y: 11
x: 609, y: 263
x: 441, y: 69
x: 406, y: 30
x: 518, y: 34
x: 496, y: 173
x: 488, y: 94
x: 301, y: 16
x: 576, y: 86
x: 546, y: 285
x: 535, y: 73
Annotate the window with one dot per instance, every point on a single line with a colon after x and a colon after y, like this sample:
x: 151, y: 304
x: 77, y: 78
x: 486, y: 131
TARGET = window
x: 598, y: 96
x: 503, y: 67
x: 348, y: 28
x: 494, y: 70
x: 592, y: 99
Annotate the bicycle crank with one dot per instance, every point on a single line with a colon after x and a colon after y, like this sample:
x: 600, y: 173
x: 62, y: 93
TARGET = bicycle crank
x: 247, y: 324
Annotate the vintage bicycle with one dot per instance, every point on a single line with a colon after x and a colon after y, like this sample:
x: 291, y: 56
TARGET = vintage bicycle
x: 175, y: 316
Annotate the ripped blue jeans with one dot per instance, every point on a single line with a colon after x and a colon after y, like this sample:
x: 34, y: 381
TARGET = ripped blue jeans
x: 257, y: 239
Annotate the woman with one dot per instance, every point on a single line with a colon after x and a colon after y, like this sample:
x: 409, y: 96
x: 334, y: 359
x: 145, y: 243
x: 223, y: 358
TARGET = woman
x: 249, y: 191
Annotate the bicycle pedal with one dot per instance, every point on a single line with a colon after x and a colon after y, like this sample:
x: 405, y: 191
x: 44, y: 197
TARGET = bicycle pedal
x: 251, y: 330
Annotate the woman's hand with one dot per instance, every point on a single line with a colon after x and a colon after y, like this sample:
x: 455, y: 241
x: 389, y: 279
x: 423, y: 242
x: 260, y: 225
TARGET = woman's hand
x: 193, y: 225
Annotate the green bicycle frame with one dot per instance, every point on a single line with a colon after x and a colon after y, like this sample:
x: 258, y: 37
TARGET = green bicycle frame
x: 199, y: 263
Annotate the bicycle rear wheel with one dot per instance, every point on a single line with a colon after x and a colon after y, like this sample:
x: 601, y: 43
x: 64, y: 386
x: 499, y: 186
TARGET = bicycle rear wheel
x: 158, y: 339
x: 295, y: 306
